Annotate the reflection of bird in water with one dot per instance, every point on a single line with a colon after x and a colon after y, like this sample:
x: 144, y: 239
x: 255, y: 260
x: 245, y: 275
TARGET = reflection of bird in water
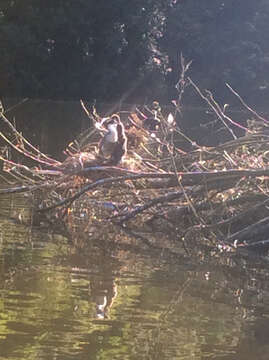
x: 103, y: 293
x: 101, y: 303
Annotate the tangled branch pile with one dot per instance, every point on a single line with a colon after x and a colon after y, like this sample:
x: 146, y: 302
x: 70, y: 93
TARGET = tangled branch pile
x: 215, y: 193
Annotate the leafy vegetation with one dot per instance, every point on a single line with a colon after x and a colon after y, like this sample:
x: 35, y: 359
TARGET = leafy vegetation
x: 76, y: 48
x: 130, y: 50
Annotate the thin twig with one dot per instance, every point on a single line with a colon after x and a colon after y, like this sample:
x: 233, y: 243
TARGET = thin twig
x: 219, y: 113
x: 245, y: 105
x: 40, y: 155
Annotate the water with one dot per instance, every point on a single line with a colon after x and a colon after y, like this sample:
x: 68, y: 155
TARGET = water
x: 118, y: 298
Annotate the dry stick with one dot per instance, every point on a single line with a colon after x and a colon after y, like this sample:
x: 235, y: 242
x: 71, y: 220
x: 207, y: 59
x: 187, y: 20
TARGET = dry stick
x: 215, y: 110
x: 6, y: 180
x: 182, y: 187
x: 220, y: 112
x: 24, y: 167
x: 24, y: 188
x: 193, y: 143
x: 14, y: 176
x: 180, y: 86
x: 164, y: 198
x: 236, y: 124
x: 212, y: 152
x: 203, y: 205
x: 188, y: 179
x: 85, y: 109
x: 24, y: 152
x: 159, y: 200
x: 92, y: 118
x: 239, y: 216
x: 229, y: 158
x: 52, y: 161
x: 101, y: 182
x: 99, y: 168
x: 180, y: 210
x: 214, y: 106
x: 249, y: 231
x: 245, y: 105
x: 14, y: 106
x: 257, y: 243
x: 20, y: 177
x: 246, y: 140
x: 21, y: 189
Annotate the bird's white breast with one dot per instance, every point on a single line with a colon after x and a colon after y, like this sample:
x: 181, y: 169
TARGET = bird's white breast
x: 112, y: 135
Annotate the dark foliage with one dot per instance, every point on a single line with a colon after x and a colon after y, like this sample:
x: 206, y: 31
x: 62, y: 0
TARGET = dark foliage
x: 129, y: 50
x: 78, y: 48
x: 227, y: 41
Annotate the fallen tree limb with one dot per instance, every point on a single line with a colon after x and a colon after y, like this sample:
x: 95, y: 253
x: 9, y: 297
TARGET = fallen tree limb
x: 187, y: 179
x: 249, y: 232
x: 159, y: 200
x: 30, y: 188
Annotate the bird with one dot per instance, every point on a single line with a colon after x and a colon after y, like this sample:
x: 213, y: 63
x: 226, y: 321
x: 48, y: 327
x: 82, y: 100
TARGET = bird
x: 152, y: 123
x: 120, y: 148
x: 149, y: 122
x: 111, y: 150
x: 108, y: 142
x: 113, y: 146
